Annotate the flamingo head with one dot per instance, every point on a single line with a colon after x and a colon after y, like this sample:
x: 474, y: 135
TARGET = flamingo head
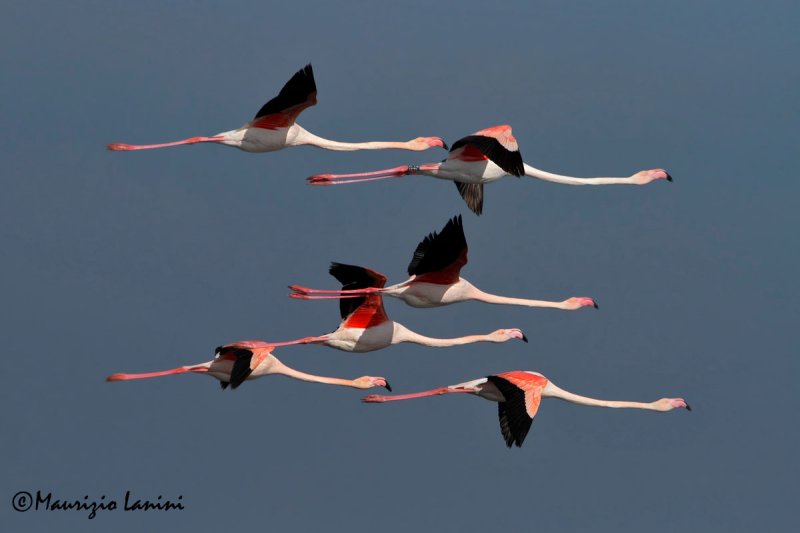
x: 423, y: 143
x: 646, y: 176
x: 503, y: 335
x: 668, y: 404
x: 367, y: 382
x: 576, y: 302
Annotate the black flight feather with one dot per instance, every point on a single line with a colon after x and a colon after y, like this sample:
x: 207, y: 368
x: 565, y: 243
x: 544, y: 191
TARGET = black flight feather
x: 296, y: 91
x: 472, y: 193
x: 514, y: 420
x: 438, y: 251
x: 241, y: 367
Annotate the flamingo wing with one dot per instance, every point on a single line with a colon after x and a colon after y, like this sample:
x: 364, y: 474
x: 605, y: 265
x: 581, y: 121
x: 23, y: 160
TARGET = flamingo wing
x: 246, y: 355
x: 241, y: 367
x: 496, y: 144
x: 366, y: 311
x: 439, y: 257
x: 472, y: 193
x: 299, y: 93
x: 241, y: 363
x: 515, y: 422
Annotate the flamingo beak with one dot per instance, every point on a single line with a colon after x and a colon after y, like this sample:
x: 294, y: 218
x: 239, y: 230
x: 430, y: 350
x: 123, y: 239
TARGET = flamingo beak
x: 388, y: 387
x: 669, y: 178
x: 595, y: 305
x: 524, y: 338
x: 688, y: 408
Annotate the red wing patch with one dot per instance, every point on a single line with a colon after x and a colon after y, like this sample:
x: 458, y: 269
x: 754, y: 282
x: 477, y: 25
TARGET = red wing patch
x: 448, y: 275
x: 531, y: 384
x: 468, y: 153
x: 296, y: 95
x: 275, y: 121
x: 369, y: 314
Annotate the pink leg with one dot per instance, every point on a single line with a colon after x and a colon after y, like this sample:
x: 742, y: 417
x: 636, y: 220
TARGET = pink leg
x: 303, y: 296
x: 179, y: 370
x: 353, y: 292
x: 340, y: 179
x: 119, y: 147
x: 378, y: 398
x: 304, y: 340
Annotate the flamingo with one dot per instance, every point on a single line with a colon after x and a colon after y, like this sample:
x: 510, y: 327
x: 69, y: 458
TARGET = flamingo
x: 365, y: 327
x: 235, y: 363
x: 483, y: 157
x: 518, y: 395
x: 435, y: 278
x: 274, y: 127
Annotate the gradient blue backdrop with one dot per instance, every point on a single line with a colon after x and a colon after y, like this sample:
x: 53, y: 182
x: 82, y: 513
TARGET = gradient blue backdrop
x: 116, y: 262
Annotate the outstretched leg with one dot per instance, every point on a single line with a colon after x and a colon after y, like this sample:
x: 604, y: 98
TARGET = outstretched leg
x: 120, y: 147
x: 341, y: 179
x: 378, y: 398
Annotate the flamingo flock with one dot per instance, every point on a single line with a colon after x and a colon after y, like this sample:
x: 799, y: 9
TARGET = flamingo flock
x: 434, y: 271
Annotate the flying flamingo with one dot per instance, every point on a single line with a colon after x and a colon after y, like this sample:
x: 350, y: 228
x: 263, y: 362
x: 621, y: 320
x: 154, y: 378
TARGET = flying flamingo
x: 518, y: 394
x: 365, y: 327
x: 435, y: 278
x: 235, y: 363
x: 274, y: 126
x: 483, y: 157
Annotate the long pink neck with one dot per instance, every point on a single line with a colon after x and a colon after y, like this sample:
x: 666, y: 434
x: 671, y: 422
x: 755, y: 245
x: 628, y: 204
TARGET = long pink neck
x: 120, y: 147
x: 329, y: 144
x: 569, y: 180
x: 406, y: 335
x: 553, y: 391
x: 179, y: 370
x: 306, y: 137
x: 481, y: 296
x: 296, y: 374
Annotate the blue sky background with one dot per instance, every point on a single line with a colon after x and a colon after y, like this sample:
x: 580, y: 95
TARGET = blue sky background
x: 135, y: 262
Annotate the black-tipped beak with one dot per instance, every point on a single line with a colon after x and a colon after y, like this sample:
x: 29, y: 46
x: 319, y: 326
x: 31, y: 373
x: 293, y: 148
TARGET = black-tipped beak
x: 596, y: 306
x: 444, y: 145
x: 669, y: 178
x: 688, y: 407
x: 388, y: 387
x: 524, y: 338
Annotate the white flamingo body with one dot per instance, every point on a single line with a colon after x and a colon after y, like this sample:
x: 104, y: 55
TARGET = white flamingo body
x: 363, y: 340
x: 428, y: 295
x: 260, y: 140
x: 475, y: 172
